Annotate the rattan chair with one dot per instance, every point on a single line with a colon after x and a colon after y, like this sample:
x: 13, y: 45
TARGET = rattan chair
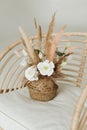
x: 11, y: 74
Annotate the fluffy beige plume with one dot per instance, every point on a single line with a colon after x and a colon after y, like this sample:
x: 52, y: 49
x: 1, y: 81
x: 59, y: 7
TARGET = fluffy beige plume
x: 35, y: 22
x: 49, y: 35
x: 39, y: 37
x: 39, y: 31
x: 17, y: 53
x: 53, y: 46
x: 28, y: 46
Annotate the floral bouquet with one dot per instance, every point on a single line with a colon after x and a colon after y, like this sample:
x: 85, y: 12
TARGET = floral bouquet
x: 43, y: 61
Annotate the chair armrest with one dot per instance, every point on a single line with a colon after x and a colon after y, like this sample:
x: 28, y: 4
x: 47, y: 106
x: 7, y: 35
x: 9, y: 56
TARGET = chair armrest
x: 77, y: 123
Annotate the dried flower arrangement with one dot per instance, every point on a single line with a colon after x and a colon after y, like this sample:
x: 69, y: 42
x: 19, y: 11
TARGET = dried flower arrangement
x: 44, y: 63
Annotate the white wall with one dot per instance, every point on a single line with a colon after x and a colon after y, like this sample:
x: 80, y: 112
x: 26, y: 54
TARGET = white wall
x: 21, y: 12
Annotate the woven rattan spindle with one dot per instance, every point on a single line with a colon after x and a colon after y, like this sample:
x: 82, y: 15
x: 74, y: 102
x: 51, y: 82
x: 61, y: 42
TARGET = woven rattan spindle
x: 15, y: 86
x: 11, y: 77
x: 78, y: 110
x: 83, y: 119
x: 82, y: 66
x: 6, y: 74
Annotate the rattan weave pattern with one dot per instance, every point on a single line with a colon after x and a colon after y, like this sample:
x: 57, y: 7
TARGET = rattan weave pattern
x: 11, y: 74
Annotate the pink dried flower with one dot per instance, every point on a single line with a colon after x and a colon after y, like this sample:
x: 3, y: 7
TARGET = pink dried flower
x: 70, y: 49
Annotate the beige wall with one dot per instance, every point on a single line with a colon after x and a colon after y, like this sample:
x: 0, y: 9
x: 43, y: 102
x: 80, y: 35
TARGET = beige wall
x: 21, y: 12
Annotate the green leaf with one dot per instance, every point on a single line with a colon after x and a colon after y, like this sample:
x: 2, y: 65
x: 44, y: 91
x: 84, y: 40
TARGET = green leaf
x: 60, y: 53
x: 37, y: 51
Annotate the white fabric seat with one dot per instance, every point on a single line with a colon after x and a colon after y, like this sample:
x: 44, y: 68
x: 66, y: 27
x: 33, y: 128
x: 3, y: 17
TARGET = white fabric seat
x: 27, y: 114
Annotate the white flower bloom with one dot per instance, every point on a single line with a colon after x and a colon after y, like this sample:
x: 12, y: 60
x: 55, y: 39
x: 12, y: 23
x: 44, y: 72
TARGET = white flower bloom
x: 24, y: 62
x: 67, y: 60
x: 40, y: 55
x: 31, y: 73
x: 52, y: 64
x: 24, y: 53
x: 63, y: 64
x: 46, y: 68
x: 68, y: 45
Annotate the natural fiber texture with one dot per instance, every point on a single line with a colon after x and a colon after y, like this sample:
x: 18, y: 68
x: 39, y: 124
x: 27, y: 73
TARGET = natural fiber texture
x: 39, y: 37
x: 53, y: 47
x: 78, y: 122
x: 6, y: 58
x: 39, y: 33
x: 49, y: 35
x: 43, y: 90
x: 10, y: 77
x: 28, y: 47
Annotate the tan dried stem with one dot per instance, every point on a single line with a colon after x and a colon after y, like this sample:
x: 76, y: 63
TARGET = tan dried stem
x: 53, y: 46
x: 35, y: 22
x: 28, y: 46
x: 61, y: 59
x: 39, y: 37
x: 49, y: 34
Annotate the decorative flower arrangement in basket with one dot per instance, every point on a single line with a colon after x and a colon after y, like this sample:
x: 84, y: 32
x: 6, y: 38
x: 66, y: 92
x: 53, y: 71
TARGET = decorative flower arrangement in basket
x: 44, y: 62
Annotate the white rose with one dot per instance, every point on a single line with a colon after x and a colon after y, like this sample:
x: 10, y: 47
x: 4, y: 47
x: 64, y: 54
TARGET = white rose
x: 46, y: 68
x: 31, y: 73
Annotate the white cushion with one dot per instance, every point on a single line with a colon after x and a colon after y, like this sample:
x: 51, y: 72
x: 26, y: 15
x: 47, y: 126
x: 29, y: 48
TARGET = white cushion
x: 35, y: 115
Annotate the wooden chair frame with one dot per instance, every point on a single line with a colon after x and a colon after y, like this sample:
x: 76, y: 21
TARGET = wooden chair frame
x: 78, y: 122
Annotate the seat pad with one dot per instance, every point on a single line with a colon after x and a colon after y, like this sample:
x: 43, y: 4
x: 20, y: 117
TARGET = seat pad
x: 35, y: 115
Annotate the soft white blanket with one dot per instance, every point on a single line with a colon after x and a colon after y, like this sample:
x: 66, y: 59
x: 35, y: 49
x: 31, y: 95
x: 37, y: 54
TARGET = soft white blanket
x: 19, y: 112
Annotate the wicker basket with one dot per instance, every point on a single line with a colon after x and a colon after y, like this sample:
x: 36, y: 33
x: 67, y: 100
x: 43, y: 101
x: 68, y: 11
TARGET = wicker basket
x: 43, y: 89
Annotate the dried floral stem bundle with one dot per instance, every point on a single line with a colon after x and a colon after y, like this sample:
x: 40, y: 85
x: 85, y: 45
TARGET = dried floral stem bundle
x: 49, y: 35
x: 39, y: 32
x: 28, y: 46
x: 44, y: 61
x: 47, y: 61
x: 54, y: 45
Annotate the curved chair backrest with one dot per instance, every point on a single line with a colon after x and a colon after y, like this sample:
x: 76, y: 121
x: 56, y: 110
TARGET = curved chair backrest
x: 9, y: 68
x: 79, y: 121
x: 11, y: 74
